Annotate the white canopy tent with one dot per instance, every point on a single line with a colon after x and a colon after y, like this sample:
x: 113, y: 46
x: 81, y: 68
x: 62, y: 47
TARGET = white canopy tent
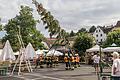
x: 16, y: 53
x: 38, y: 52
x: 94, y: 49
x: 30, y: 52
x: 113, y: 44
x: 7, y: 53
x: 54, y: 53
x: 112, y: 48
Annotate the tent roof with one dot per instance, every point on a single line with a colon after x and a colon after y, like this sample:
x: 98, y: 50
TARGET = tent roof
x: 30, y: 52
x: 16, y: 53
x: 111, y: 49
x: 41, y: 51
x: 94, y: 49
x: 7, y: 52
x: 54, y: 53
x: 113, y: 44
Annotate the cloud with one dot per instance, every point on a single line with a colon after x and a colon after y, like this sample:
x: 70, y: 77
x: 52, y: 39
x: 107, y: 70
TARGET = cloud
x: 72, y: 15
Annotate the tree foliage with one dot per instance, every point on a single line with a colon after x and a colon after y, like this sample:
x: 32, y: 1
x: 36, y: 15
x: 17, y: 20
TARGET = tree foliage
x: 92, y: 29
x: 113, y: 37
x: 83, y: 41
x: 26, y: 25
x: 72, y: 34
x: 51, y: 24
x: 82, y: 30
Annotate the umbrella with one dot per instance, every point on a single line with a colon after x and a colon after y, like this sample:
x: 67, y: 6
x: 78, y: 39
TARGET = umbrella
x: 94, y: 49
x: 7, y: 53
x: 30, y: 52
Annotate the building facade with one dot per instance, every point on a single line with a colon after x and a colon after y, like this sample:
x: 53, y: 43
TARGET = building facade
x: 99, y: 35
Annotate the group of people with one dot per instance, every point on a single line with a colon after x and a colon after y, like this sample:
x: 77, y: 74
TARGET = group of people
x: 50, y: 61
x: 72, y: 61
x: 115, y: 70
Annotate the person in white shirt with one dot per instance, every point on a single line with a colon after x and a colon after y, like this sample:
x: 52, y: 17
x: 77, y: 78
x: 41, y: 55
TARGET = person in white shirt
x: 96, y: 60
x: 116, y: 66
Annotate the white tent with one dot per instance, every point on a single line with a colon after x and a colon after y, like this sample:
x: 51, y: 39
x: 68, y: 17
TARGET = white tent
x: 57, y: 53
x: 54, y: 53
x: 94, y: 49
x: 38, y: 52
x: 7, y: 53
x: 30, y: 52
x: 16, y: 53
x: 112, y: 48
x: 113, y: 44
x: 41, y: 52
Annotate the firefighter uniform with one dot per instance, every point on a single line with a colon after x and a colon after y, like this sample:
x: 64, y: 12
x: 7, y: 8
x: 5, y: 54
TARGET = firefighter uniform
x: 41, y: 61
x: 72, y: 62
x: 48, y: 61
x: 77, y: 59
x: 66, y: 60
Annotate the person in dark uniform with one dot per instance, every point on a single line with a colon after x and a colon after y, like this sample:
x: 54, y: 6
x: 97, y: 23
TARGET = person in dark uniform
x: 37, y: 62
x: 66, y: 60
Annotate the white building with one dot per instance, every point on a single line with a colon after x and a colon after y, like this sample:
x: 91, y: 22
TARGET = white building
x: 99, y: 35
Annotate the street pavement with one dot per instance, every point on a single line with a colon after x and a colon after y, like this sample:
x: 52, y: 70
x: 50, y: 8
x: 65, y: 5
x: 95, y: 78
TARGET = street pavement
x: 85, y: 72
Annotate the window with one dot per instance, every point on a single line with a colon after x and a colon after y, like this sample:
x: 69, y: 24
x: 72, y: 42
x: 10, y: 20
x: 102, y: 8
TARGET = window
x: 101, y: 35
x: 97, y: 35
x: 97, y: 40
x: 101, y: 40
x: 99, y: 30
x: 96, y: 31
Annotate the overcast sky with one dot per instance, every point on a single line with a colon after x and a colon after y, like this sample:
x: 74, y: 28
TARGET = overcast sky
x: 72, y: 14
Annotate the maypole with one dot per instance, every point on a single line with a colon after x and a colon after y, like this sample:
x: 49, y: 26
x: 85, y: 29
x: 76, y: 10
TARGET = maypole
x: 49, y: 20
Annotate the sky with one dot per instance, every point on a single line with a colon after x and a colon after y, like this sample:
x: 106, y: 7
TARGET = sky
x: 72, y: 14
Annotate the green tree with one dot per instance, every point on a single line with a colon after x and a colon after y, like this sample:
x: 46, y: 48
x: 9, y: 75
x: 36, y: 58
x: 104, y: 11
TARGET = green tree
x: 83, y: 41
x: 72, y: 34
x: 26, y: 25
x: 82, y: 30
x: 92, y: 29
x: 113, y: 37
